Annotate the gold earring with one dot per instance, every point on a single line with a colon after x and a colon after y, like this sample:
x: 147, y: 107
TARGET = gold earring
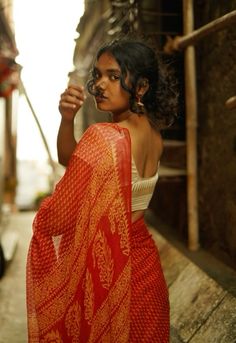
x: 138, y: 100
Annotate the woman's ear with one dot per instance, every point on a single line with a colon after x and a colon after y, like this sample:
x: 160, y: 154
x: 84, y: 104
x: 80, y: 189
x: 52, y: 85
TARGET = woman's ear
x: 142, y: 86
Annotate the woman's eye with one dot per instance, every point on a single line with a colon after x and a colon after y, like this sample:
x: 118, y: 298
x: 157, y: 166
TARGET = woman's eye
x: 114, y: 77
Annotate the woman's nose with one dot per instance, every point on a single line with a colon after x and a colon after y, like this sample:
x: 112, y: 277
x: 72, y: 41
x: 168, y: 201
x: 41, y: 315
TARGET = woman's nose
x: 101, y: 83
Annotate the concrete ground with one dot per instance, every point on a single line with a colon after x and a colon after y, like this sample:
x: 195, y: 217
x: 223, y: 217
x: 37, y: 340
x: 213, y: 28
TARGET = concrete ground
x: 202, y: 303
x: 202, y: 292
x: 13, y: 327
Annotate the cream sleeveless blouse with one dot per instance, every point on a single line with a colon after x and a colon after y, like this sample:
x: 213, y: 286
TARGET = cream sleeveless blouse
x: 142, y: 189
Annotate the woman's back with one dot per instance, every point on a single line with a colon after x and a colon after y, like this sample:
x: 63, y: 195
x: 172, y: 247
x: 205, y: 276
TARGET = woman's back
x: 146, y: 145
x: 146, y: 151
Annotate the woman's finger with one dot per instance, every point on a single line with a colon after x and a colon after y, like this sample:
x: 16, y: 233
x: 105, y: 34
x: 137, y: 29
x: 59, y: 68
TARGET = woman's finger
x: 66, y: 105
x: 77, y: 92
x: 72, y: 99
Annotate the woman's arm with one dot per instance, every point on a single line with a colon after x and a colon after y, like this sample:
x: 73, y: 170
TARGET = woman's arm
x: 70, y: 103
x: 65, y: 141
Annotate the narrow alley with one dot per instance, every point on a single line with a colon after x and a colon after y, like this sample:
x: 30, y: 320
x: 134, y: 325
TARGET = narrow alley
x: 189, y: 117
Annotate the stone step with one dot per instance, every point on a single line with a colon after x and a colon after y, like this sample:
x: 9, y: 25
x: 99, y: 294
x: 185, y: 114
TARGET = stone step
x: 202, y: 311
x: 168, y: 172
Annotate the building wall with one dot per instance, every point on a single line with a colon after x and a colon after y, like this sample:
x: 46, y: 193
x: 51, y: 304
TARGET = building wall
x: 216, y: 132
x: 216, y: 70
x: 9, y: 72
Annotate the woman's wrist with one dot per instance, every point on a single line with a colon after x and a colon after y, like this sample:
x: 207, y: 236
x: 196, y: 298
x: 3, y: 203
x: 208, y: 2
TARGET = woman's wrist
x: 67, y: 121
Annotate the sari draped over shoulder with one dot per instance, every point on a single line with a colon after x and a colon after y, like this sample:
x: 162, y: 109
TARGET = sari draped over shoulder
x: 79, y: 261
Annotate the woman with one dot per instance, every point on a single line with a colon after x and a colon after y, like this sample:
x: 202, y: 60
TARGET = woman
x: 93, y: 271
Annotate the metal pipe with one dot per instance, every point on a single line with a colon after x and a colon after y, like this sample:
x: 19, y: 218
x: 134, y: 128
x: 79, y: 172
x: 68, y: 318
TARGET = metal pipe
x: 214, y: 26
x: 191, y: 130
x: 51, y: 162
x: 192, y: 37
x: 231, y: 103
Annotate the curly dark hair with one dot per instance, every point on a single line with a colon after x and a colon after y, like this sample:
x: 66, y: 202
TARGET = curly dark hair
x: 143, y: 62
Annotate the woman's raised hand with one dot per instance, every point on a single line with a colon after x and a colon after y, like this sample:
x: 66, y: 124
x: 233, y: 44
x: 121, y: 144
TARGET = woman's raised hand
x: 71, y: 101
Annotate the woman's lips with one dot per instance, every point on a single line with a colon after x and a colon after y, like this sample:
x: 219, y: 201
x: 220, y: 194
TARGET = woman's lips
x: 100, y: 98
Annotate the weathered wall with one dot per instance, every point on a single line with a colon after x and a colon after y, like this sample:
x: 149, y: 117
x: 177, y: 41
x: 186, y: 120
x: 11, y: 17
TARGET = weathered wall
x: 216, y: 70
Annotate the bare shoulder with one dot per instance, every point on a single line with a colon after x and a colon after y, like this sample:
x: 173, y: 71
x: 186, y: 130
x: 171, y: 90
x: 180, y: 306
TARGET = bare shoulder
x: 146, y: 140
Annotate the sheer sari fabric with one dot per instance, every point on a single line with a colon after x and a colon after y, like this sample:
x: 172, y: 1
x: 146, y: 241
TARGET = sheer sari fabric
x: 92, y: 276
x: 79, y: 265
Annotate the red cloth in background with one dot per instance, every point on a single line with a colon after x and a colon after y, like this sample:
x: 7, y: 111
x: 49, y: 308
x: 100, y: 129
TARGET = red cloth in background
x: 9, y: 77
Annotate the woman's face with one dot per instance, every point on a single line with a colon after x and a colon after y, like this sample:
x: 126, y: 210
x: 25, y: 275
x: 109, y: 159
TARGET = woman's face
x: 112, y: 97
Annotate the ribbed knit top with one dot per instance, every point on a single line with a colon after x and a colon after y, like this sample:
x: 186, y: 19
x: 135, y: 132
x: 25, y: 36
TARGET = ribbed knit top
x: 142, y: 189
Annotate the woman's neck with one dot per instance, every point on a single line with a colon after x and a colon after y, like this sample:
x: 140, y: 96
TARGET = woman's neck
x: 127, y: 116
x: 119, y: 117
x: 131, y: 119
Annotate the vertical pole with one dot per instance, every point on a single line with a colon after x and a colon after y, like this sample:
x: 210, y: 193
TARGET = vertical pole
x: 50, y: 159
x: 191, y: 129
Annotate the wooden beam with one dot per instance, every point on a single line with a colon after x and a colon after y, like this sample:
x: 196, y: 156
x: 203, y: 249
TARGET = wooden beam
x: 191, y: 38
x: 191, y: 130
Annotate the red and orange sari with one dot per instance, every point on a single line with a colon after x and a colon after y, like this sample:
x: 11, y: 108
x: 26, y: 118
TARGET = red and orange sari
x: 84, y: 283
